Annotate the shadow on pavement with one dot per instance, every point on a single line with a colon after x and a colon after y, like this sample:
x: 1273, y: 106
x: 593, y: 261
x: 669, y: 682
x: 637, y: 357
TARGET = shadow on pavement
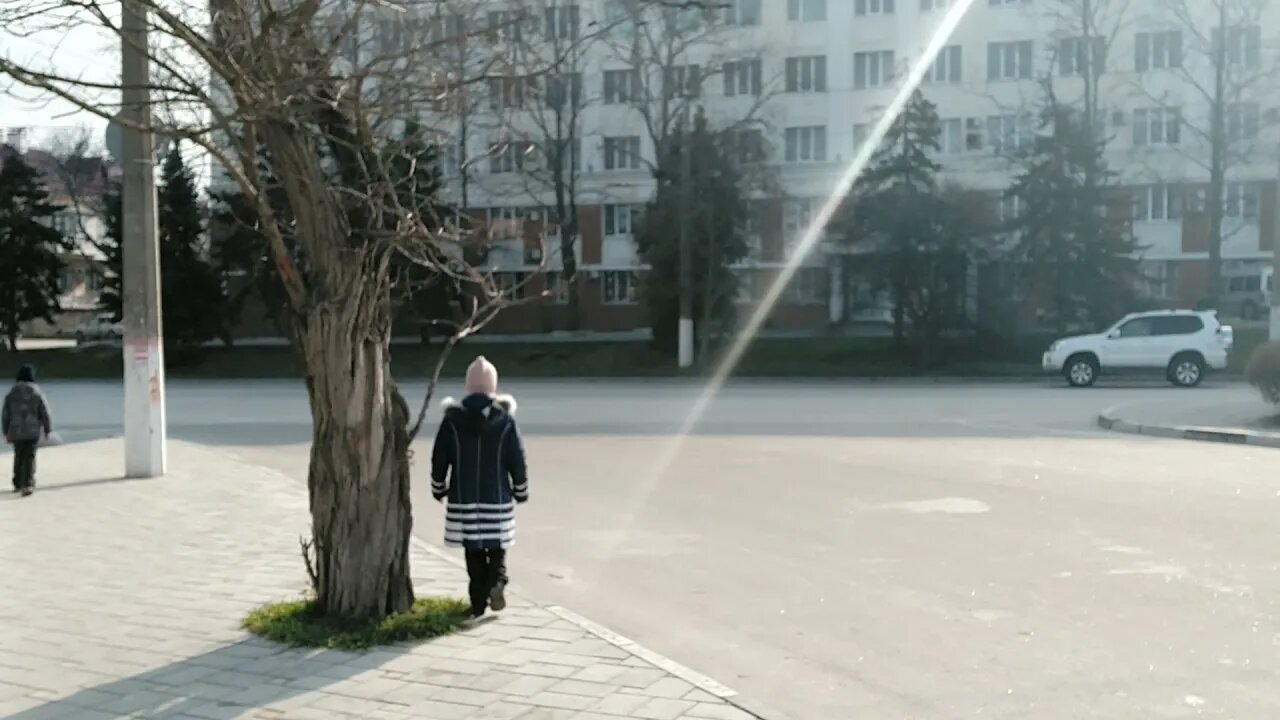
x: 44, y: 488
x: 228, y: 682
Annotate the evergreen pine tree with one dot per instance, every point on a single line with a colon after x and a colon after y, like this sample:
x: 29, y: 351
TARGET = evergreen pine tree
x: 712, y: 196
x: 110, y: 246
x: 899, y: 211
x: 29, y: 248
x: 192, y: 297
x: 1071, y: 249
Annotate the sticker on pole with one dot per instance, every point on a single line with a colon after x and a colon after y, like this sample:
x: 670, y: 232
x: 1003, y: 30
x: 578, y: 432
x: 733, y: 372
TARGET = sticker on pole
x: 140, y: 350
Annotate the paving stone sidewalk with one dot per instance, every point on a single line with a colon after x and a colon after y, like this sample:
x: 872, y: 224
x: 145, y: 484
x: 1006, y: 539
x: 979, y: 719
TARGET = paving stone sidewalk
x: 122, y: 599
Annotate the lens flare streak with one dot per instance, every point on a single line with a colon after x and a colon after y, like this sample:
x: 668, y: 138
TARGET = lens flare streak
x: 941, y: 36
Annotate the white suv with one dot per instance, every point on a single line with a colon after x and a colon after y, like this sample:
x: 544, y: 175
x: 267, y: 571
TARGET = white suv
x: 1182, y: 343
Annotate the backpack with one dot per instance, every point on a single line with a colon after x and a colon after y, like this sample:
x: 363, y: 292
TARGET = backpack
x: 25, y: 408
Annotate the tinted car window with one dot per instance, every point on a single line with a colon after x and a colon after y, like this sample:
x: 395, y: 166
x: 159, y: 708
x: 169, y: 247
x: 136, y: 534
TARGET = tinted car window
x: 1140, y: 327
x: 1176, y: 325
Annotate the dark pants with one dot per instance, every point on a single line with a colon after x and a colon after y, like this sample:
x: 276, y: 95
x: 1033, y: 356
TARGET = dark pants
x: 24, y: 463
x: 486, y: 568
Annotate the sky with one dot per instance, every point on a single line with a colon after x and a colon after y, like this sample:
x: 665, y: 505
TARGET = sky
x: 81, y: 51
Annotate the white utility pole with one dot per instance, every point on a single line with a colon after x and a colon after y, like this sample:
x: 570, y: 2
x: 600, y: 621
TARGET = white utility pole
x: 685, y: 354
x: 144, y: 416
x: 1274, y: 334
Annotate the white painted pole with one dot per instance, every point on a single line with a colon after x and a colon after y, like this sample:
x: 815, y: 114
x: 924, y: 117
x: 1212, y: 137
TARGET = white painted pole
x: 144, y: 406
x: 1274, y: 333
x: 684, y: 356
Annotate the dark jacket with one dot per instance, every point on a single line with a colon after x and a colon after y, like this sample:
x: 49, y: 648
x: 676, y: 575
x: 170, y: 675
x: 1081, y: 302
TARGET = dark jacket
x: 478, y: 464
x: 25, y: 417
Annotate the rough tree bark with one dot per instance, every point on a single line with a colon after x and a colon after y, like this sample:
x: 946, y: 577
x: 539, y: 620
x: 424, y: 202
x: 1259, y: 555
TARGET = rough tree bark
x: 359, y: 473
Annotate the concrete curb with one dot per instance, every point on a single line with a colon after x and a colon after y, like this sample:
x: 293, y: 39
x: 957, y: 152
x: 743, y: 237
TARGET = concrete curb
x: 659, y: 661
x: 1110, y: 420
x: 662, y: 662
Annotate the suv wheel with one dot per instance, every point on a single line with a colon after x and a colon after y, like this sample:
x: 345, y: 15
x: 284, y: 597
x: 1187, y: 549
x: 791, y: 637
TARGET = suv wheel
x: 1081, y: 370
x: 1186, y: 370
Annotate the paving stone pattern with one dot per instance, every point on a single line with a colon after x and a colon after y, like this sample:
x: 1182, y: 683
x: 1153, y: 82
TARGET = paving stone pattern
x: 122, y: 599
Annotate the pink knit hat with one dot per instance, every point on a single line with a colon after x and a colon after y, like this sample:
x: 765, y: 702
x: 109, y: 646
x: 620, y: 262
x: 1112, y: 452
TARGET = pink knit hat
x: 482, y: 377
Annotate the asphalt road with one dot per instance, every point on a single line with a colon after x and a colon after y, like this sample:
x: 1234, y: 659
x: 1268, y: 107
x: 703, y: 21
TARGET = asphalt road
x: 853, y: 550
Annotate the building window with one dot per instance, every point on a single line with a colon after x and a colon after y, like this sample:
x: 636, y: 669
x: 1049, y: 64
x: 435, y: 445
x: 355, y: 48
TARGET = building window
x: 1081, y: 56
x: 566, y: 152
x: 1157, y: 279
x: 797, y: 215
x: 747, y: 145
x: 562, y: 89
x: 1008, y: 209
x: 562, y: 22
x: 507, y: 156
x: 873, y: 7
x: 806, y: 10
x: 807, y: 74
x: 507, y: 91
x: 806, y: 144
x: 1157, y: 126
x: 1156, y: 202
x: 556, y: 286
x: 621, y: 219
x: 872, y: 69
x: 753, y: 226
x: 1009, y: 133
x: 1157, y: 50
x: 1244, y: 44
x: 748, y: 285
x: 1241, y: 201
x: 446, y: 27
x: 742, y: 77
x: 505, y: 25
x: 947, y: 68
x: 505, y: 223
x: 951, y: 137
x: 510, y: 284
x: 928, y: 5
x: 1242, y: 120
x: 807, y: 287
x: 1009, y: 60
x: 742, y: 12
x: 682, y: 81
x: 621, y: 86
x: 860, y: 133
x: 1008, y: 2
x: 622, y: 153
x: 618, y: 287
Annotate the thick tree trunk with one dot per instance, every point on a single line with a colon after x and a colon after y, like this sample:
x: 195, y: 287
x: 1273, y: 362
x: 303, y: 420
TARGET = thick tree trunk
x: 359, y: 474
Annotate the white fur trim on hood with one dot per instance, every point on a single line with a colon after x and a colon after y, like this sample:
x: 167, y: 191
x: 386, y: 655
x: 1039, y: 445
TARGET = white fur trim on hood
x: 508, y: 403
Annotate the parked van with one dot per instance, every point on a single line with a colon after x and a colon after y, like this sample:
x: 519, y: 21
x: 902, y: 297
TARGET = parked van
x: 1249, y: 296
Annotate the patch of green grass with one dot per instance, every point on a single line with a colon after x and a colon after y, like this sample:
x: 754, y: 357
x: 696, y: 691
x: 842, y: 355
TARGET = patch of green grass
x: 299, y: 623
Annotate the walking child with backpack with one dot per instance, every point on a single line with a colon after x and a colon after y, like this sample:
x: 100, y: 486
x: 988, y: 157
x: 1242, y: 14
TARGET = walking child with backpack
x: 25, y: 421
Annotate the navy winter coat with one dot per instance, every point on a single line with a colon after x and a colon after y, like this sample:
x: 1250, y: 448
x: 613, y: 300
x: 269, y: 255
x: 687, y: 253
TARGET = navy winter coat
x: 478, y: 463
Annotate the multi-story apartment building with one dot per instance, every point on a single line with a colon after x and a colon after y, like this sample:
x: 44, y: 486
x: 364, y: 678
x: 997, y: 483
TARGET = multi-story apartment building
x: 806, y: 80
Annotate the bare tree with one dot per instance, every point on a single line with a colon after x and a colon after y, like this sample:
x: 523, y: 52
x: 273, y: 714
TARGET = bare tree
x: 304, y: 99
x: 1086, y: 32
x: 672, y: 51
x: 545, y: 99
x: 1227, y: 64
